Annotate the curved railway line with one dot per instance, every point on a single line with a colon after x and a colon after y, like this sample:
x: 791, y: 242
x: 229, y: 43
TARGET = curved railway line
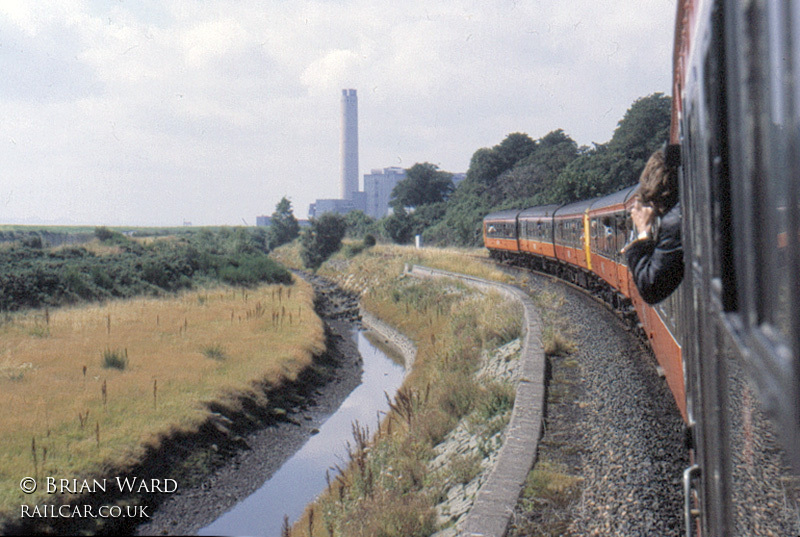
x: 608, y: 426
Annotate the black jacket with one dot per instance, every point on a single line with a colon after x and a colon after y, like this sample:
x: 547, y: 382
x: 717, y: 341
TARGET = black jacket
x: 657, y: 263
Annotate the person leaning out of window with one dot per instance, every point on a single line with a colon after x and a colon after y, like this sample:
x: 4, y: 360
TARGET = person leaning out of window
x: 655, y: 257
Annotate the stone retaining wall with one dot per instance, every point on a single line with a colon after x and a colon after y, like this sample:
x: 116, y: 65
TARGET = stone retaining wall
x: 394, y: 338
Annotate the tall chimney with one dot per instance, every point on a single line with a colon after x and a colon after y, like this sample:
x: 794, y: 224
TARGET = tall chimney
x: 349, y: 179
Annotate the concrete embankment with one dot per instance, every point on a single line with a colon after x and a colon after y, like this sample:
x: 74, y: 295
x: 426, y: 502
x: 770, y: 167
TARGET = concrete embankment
x: 391, y: 337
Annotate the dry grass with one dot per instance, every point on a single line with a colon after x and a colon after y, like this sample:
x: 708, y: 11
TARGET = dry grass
x: 181, y: 352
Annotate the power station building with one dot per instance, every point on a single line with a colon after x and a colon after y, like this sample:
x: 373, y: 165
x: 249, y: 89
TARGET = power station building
x: 378, y: 185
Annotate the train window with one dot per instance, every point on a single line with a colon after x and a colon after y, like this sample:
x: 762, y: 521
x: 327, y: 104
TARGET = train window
x: 622, y: 231
x: 774, y: 301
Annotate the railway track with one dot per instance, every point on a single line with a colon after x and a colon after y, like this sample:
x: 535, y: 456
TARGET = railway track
x: 613, y: 437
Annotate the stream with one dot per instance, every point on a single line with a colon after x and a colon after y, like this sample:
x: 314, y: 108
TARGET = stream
x: 302, y: 477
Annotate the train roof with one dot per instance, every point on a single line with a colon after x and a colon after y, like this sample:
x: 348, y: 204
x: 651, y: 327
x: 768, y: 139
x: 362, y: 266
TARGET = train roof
x: 510, y: 214
x: 542, y: 211
x: 614, y: 200
x: 573, y: 209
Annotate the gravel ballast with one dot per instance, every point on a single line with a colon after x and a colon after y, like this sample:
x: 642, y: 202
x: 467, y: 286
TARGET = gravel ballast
x: 611, y: 425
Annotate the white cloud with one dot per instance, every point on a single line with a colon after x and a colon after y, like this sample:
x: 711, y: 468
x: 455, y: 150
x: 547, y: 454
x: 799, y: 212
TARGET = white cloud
x: 212, y: 111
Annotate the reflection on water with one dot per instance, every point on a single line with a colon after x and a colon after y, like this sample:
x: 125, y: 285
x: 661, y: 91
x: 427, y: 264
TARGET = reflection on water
x: 302, y: 477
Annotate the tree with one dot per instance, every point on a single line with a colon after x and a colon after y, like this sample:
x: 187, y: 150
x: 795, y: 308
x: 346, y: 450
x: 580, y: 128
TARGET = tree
x: 359, y: 224
x: 484, y: 167
x: 609, y: 167
x: 424, y: 184
x: 283, y: 226
x: 534, y: 174
x: 514, y: 147
x: 644, y: 128
x: 322, y: 239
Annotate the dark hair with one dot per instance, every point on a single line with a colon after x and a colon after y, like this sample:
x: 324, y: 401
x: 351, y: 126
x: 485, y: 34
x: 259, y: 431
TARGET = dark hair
x: 658, y: 184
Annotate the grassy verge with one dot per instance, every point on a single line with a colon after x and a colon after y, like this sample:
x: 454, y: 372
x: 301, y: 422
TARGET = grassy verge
x: 386, y: 488
x: 87, y: 390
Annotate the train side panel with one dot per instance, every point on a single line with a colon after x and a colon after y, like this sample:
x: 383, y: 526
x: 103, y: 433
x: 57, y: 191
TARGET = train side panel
x: 501, y: 234
x: 658, y: 323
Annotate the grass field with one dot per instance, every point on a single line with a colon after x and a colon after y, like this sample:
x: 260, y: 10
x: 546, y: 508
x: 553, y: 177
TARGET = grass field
x: 85, y: 389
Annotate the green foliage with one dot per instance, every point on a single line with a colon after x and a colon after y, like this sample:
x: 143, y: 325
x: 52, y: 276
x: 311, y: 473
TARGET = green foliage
x: 322, y: 239
x: 424, y: 184
x: 498, y: 400
x: 103, y: 233
x: 514, y: 148
x: 37, y: 277
x: 398, y: 226
x: 250, y: 269
x: 402, y: 226
x: 359, y: 224
x: 283, y: 226
x: 617, y: 164
x: 33, y: 240
x: 353, y: 249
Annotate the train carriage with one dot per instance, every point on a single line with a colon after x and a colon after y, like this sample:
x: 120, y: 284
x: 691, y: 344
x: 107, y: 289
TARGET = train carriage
x: 736, y: 115
x: 501, y: 234
x: 609, y: 231
x: 536, y: 234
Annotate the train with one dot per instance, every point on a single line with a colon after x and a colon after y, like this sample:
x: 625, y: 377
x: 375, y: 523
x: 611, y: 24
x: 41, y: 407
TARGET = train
x: 728, y: 340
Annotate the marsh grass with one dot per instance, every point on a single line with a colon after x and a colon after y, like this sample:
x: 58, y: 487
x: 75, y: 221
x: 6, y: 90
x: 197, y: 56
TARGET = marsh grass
x: 551, y: 482
x: 91, y: 418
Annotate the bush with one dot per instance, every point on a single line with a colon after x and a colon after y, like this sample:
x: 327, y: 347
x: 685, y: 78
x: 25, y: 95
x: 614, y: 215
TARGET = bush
x: 103, y: 233
x: 35, y: 277
x: 248, y: 270
x: 322, y: 239
x: 115, y: 359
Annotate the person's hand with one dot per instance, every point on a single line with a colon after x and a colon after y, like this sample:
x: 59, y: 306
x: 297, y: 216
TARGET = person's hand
x: 642, y: 216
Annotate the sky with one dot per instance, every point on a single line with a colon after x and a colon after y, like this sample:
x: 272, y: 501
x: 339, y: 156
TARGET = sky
x: 160, y: 112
